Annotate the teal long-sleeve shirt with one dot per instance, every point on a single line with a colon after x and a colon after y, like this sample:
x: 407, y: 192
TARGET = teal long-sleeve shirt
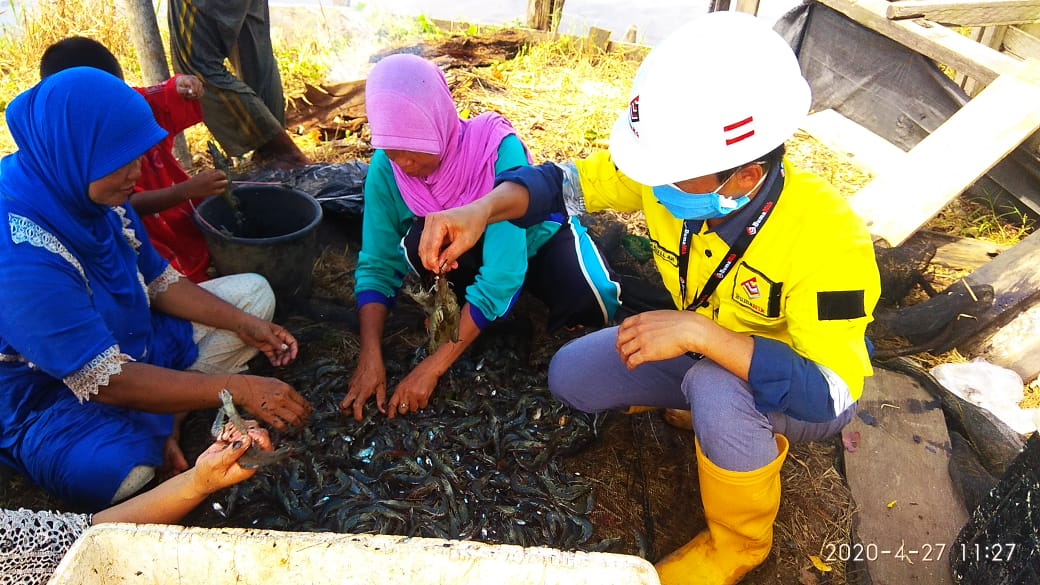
x: 382, y: 263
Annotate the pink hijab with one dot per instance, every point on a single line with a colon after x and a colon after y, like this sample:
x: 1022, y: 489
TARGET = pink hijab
x: 410, y: 107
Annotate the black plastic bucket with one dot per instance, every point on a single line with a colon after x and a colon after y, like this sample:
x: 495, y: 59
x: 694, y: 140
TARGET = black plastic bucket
x: 274, y: 235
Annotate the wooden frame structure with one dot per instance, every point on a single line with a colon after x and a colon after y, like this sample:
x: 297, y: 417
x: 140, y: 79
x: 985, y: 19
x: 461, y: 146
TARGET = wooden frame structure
x: 1004, y: 114
x: 1002, y: 70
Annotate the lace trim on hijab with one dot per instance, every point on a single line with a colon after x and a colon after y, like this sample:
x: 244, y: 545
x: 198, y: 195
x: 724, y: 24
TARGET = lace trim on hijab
x: 89, y: 379
x: 129, y: 233
x: 163, y: 281
x: 32, y: 543
x: 24, y: 230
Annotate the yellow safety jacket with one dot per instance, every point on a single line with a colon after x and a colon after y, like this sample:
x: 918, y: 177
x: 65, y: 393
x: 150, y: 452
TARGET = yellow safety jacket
x: 808, y: 280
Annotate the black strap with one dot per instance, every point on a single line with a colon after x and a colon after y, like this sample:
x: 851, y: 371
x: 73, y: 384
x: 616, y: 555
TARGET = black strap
x: 735, y: 252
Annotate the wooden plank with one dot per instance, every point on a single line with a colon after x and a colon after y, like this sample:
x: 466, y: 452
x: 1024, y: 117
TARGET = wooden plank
x: 930, y: 39
x: 990, y: 36
x: 1015, y: 346
x: 955, y: 253
x: 953, y: 157
x: 868, y: 151
x: 901, y: 484
x: 1015, y: 281
x: 599, y: 38
x: 1021, y: 44
x: 977, y: 13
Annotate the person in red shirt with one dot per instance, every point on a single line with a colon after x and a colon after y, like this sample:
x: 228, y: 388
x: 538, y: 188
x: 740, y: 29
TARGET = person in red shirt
x: 165, y: 192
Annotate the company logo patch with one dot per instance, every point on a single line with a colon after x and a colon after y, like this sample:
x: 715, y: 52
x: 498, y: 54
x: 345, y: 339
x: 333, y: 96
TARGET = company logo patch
x: 633, y: 116
x: 756, y: 292
x: 750, y: 287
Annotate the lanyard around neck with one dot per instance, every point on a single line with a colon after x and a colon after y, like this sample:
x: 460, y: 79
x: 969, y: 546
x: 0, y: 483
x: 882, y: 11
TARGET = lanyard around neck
x: 735, y: 252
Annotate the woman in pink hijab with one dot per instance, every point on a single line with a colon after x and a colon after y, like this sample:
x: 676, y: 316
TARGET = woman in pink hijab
x: 428, y: 160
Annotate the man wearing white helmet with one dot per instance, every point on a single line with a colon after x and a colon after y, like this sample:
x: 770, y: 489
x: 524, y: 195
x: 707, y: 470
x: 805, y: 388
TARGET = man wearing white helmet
x: 773, y: 276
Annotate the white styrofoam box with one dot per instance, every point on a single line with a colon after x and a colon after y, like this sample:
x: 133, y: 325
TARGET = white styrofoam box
x: 108, y: 554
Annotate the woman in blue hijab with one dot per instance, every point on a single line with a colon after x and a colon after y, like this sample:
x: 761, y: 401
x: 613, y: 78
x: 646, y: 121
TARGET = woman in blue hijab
x: 101, y: 341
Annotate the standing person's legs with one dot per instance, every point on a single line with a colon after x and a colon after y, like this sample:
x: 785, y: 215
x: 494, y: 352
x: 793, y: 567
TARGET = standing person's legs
x: 254, y: 59
x: 571, y: 276
x: 202, y: 35
x: 221, y: 351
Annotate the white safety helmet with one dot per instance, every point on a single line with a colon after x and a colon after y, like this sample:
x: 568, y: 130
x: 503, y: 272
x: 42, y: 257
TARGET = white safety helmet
x: 721, y: 91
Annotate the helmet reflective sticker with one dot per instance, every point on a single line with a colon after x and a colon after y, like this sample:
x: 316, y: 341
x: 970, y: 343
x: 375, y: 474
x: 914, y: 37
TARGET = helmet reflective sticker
x: 734, y: 133
x: 633, y: 115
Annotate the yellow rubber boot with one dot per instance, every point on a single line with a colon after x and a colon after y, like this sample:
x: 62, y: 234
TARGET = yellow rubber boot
x: 740, y: 508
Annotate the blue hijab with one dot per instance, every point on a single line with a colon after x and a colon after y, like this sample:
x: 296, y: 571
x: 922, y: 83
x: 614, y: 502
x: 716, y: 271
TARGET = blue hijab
x: 73, y: 128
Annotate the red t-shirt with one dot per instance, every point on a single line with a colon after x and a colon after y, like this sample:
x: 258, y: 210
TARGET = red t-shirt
x: 173, y: 232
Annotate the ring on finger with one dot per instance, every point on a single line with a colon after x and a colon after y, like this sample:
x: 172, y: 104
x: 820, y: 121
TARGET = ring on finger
x: 402, y: 408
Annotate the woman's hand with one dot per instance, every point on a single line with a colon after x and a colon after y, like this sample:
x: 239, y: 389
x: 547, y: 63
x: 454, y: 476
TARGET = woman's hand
x: 269, y: 399
x: 218, y: 468
x: 258, y: 434
x: 369, y: 378
x: 273, y: 340
x: 413, y: 393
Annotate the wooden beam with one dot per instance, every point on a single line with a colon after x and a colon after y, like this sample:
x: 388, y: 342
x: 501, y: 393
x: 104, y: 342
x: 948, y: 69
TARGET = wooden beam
x: 1016, y: 282
x: 977, y: 13
x: 954, y: 156
x: 990, y: 36
x: 959, y: 254
x: 1021, y: 44
x: 907, y: 510
x: 1015, y: 345
x: 930, y: 39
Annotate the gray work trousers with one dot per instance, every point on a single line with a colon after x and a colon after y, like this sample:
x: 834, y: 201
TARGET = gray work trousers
x: 588, y: 374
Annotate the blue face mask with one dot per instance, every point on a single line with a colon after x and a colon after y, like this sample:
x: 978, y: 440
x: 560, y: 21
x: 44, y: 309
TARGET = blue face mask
x: 683, y: 205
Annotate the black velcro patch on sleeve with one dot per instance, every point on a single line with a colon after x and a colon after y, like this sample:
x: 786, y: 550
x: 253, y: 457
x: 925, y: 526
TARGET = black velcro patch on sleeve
x: 835, y: 305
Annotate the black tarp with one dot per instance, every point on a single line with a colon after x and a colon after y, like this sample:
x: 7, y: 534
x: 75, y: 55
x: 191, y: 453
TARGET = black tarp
x: 998, y: 545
